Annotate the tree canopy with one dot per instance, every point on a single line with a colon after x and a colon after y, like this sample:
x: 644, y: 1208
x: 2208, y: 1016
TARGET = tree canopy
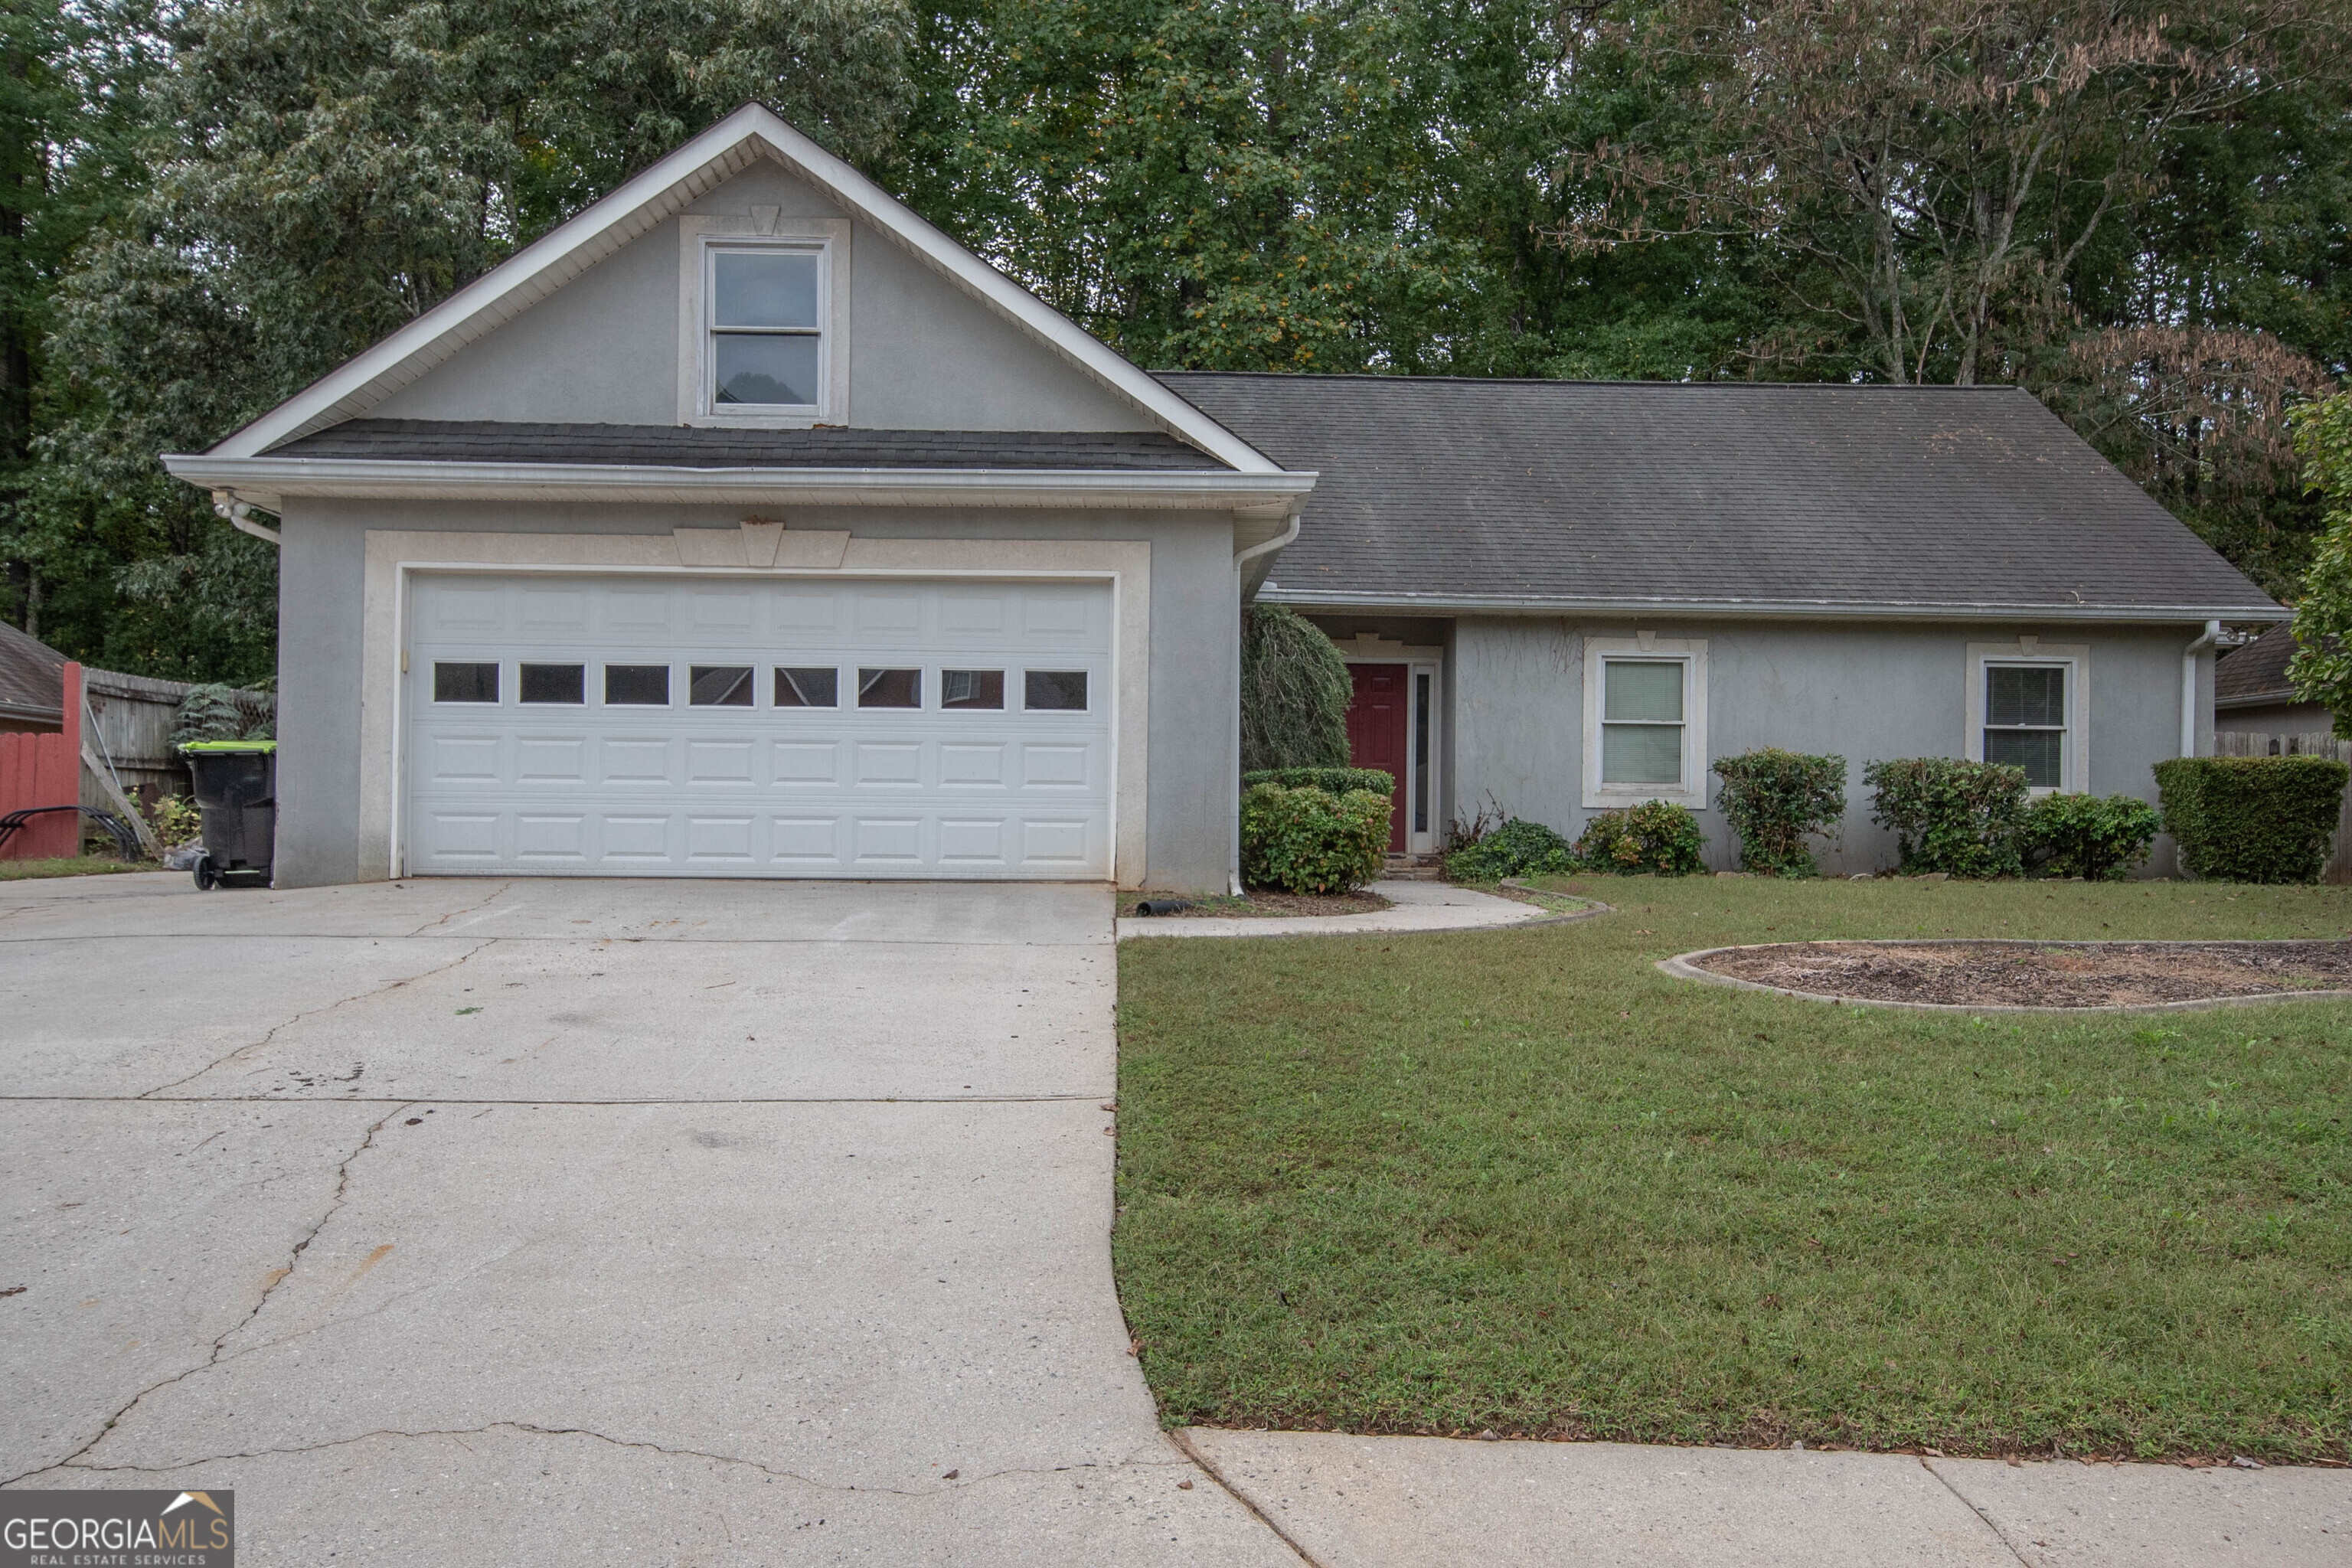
x: 2142, y: 213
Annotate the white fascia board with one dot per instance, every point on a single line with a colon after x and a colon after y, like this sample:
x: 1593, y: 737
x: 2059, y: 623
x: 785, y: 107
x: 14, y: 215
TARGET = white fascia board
x: 708, y: 160
x: 264, y: 481
x: 1311, y: 600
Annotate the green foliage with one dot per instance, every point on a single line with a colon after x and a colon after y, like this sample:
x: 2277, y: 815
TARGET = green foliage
x: 2322, y: 665
x: 1312, y: 841
x: 2252, y: 819
x: 1517, y: 848
x: 175, y: 818
x: 2099, y: 840
x: 1655, y: 835
x: 216, y: 713
x: 1294, y: 693
x: 1774, y: 799
x: 1950, y: 815
x: 1337, y: 781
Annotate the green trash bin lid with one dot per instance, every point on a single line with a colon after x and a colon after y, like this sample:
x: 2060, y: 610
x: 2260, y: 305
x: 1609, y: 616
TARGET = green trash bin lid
x: 216, y: 746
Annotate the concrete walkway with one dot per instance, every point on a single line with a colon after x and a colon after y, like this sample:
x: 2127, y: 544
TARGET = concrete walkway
x: 1419, y: 906
x: 565, y: 1222
x: 1403, y: 1502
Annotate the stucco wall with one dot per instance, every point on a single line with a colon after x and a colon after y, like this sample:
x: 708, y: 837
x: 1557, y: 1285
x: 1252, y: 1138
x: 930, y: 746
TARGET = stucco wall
x: 923, y: 354
x: 322, y: 583
x: 1863, y: 691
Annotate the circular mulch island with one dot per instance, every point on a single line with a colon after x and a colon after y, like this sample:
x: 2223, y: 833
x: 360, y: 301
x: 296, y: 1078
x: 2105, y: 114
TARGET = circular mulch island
x: 1977, y: 976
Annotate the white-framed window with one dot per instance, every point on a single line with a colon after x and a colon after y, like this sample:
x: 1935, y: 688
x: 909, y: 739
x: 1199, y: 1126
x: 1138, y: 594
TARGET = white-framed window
x: 2029, y: 706
x: 1644, y: 720
x: 763, y: 315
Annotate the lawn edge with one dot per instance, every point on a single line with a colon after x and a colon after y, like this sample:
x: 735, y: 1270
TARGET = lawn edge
x: 1683, y: 966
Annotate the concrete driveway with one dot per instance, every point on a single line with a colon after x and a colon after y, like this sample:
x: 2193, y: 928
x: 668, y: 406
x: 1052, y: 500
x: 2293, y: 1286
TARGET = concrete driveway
x: 582, y: 1221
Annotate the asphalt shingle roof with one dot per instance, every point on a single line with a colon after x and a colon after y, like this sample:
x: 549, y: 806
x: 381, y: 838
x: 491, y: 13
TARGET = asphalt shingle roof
x: 684, y: 447
x: 1641, y: 492
x: 2258, y: 670
x: 32, y: 677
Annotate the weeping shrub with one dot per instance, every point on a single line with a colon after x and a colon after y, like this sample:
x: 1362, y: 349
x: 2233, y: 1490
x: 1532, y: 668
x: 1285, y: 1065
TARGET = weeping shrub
x: 1312, y: 841
x: 1656, y: 836
x: 1294, y: 693
x: 1774, y: 799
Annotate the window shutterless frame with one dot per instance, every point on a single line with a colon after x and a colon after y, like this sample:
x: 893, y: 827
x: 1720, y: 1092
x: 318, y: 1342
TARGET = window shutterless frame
x: 2029, y: 704
x: 1645, y: 727
x: 766, y: 340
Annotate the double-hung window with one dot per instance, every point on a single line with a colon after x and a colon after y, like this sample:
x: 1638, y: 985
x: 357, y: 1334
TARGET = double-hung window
x: 2025, y: 708
x: 764, y: 333
x: 1644, y: 720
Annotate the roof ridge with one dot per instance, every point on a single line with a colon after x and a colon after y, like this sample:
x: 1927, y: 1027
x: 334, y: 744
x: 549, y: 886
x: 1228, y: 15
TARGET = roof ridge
x: 1595, y: 381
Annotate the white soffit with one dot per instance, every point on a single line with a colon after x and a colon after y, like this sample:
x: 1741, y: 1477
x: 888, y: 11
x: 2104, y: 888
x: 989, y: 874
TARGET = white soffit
x: 718, y: 154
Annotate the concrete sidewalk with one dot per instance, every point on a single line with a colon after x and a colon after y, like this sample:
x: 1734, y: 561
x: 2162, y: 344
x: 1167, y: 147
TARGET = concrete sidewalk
x: 1419, y: 907
x: 1402, y: 1502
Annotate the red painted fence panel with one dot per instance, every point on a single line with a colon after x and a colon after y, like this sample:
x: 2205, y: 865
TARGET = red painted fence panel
x: 38, y: 769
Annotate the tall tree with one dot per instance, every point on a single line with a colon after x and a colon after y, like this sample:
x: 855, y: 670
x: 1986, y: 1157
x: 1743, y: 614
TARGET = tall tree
x: 320, y: 174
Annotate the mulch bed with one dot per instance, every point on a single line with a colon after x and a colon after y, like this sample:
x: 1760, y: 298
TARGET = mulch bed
x: 1263, y: 902
x: 2086, y: 974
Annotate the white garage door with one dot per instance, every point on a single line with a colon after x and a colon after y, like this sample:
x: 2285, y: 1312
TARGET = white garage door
x: 616, y: 726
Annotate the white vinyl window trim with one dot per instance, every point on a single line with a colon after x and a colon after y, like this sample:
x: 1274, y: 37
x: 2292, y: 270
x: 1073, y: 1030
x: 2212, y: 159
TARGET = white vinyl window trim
x: 705, y: 337
x: 1642, y: 726
x: 2072, y: 723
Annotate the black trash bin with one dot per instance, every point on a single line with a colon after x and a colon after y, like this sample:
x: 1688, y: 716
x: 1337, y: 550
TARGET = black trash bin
x: 236, y: 792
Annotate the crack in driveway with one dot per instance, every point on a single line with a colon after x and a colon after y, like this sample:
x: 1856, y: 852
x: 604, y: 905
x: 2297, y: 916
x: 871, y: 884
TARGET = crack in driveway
x: 262, y: 1043
x: 276, y: 1278
x: 531, y: 1428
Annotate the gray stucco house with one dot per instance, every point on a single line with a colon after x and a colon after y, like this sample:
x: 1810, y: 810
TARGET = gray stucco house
x: 747, y: 525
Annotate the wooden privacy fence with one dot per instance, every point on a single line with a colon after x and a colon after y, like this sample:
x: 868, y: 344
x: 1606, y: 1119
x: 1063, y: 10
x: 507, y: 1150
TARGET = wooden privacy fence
x: 42, y: 768
x: 131, y: 718
x: 2243, y: 743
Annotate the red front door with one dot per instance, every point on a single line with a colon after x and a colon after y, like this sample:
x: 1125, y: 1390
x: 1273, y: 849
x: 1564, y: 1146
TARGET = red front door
x: 1376, y: 733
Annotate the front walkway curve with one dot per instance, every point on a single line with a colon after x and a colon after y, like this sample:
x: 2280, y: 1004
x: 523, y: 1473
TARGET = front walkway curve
x: 1419, y: 907
x: 582, y: 1222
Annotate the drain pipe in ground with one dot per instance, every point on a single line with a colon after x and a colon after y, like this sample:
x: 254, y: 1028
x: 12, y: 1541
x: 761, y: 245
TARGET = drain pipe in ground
x: 2212, y: 635
x: 1241, y: 569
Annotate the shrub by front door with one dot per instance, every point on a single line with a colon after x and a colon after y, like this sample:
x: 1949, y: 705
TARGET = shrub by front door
x: 1377, y: 731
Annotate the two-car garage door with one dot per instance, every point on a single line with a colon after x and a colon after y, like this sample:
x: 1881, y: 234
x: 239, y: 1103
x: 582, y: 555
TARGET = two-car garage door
x: 620, y: 725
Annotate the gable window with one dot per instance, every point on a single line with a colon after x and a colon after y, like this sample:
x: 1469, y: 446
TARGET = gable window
x: 1644, y: 720
x: 766, y: 347
x: 2025, y: 708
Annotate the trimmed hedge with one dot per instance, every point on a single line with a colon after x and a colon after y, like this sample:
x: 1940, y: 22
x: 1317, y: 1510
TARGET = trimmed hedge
x: 1337, y: 781
x: 1517, y: 848
x: 2084, y: 836
x: 2252, y: 819
x: 1655, y: 835
x: 1312, y: 841
x: 1958, y: 817
x: 1774, y: 799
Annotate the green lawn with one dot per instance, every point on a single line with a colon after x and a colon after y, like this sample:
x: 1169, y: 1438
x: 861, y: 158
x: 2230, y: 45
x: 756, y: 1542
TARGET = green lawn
x: 1520, y: 1180
x: 72, y: 866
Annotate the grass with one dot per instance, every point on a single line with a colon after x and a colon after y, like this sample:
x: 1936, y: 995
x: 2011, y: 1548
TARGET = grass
x: 70, y: 866
x: 1519, y: 1180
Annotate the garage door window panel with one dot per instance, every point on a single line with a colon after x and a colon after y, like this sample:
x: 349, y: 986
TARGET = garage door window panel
x: 1053, y: 691
x: 558, y: 684
x: 718, y: 686
x: 806, y: 687
x: 971, y: 689
x: 637, y: 686
x: 465, y: 682
x: 889, y: 687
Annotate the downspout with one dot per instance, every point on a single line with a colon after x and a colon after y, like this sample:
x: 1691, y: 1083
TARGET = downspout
x: 2212, y: 635
x: 239, y: 515
x: 1233, y: 809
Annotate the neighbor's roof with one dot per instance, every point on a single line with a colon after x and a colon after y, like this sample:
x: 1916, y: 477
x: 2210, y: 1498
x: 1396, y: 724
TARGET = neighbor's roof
x: 2256, y: 673
x: 32, y: 677
x: 1439, y: 493
x: 688, y: 446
